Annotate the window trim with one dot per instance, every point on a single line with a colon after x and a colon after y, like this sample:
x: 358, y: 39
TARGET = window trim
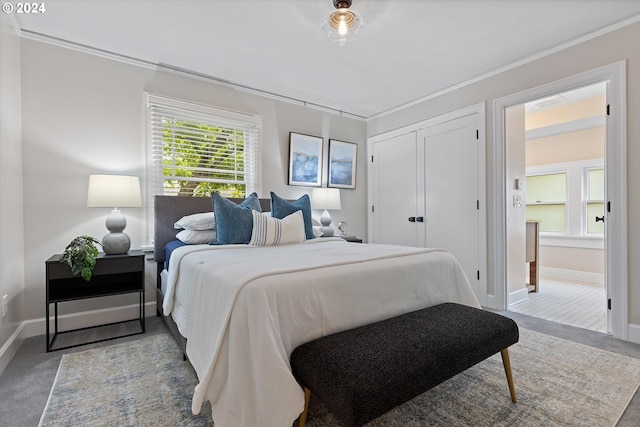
x: 586, y: 200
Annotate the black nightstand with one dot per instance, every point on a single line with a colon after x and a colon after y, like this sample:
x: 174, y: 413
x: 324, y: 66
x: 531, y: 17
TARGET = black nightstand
x: 112, y: 275
x: 352, y: 239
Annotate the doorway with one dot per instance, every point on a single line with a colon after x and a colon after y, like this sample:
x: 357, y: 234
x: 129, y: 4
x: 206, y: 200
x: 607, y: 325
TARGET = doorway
x: 616, y: 235
x: 563, y: 193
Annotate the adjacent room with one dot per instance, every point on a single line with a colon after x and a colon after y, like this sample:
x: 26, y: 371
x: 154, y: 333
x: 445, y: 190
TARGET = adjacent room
x: 319, y: 212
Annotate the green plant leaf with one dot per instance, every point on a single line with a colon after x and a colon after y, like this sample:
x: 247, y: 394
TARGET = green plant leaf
x: 80, y: 255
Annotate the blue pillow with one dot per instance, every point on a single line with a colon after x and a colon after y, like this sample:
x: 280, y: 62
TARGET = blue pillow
x: 281, y: 208
x: 234, y: 223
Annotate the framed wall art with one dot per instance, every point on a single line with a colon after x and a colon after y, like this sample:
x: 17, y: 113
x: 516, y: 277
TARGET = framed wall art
x: 343, y: 158
x: 305, y: 160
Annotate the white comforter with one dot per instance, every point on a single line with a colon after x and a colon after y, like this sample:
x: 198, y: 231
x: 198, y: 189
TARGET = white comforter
x: 252, y: 306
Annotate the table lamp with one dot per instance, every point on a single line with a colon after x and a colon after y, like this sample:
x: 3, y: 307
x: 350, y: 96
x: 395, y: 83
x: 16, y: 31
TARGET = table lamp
x: 114, y: 191
x: 325, y: 198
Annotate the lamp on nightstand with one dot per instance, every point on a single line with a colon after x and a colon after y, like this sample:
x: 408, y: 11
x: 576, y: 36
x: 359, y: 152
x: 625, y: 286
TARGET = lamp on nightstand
x: 325, y: 198
x: 106, y: 191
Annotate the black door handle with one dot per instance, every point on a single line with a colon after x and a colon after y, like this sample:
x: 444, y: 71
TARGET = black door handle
x: 600, y: 218
x: 412, y: 219
x: 420, y: 219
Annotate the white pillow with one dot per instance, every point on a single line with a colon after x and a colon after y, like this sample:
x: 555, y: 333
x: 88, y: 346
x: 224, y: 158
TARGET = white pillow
x: 199, y: 221
x: 197, y: 237
x: 273, y: 231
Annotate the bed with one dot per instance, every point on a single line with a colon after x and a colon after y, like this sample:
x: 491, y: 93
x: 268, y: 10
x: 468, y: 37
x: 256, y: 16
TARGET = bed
x: 245, y: 308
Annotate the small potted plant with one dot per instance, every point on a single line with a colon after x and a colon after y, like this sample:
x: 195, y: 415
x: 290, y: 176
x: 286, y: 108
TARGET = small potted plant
x: 81, y: 255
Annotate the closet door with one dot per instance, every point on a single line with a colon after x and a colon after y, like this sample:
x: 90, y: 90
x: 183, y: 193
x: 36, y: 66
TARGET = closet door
x: 394, y: 190
x: 451, y: 191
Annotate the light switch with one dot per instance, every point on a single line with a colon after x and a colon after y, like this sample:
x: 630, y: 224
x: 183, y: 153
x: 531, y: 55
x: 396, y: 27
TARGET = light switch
x: 518, y: 183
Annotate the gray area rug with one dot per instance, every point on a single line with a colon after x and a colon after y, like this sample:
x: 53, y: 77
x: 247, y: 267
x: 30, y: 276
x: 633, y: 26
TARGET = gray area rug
x: 558, y: 383
x: 140, y: 383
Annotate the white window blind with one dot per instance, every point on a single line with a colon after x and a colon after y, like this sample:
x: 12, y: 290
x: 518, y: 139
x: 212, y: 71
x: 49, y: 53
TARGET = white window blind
x: 196, y: 149
x: 546, y: 201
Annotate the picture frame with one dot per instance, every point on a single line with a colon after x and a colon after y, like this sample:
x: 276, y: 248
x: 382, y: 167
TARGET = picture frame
x: 305, y: 159
x: 343, y: 161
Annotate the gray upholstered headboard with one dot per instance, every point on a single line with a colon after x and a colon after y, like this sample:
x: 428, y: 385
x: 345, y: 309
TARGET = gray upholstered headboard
x: 168, y: 209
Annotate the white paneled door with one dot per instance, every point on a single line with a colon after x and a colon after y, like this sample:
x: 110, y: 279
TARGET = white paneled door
x: 451, y: 208
x: 395, y: 190
x: 426, y: 189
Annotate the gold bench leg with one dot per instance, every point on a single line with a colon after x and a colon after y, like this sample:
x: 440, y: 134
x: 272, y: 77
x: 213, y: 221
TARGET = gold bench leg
x: 302, y: 420
x: 507, y: 369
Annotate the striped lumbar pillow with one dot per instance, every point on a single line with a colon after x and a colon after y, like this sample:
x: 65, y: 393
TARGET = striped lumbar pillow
x: 273, y: 231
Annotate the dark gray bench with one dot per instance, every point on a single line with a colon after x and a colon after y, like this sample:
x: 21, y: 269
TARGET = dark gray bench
x: 364, y: 372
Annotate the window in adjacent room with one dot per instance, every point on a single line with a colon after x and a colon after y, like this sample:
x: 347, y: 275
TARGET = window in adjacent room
x: 594, y: 201
x: 546, y: 201
x: 196, y: 149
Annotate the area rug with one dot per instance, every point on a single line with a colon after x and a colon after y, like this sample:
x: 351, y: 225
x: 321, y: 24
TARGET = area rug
x: 140, y: 383
x: 558, y: 383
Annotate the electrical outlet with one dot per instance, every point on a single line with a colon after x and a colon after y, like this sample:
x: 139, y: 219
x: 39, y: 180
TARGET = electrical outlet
x: 517, y: 201
x: 5, y: 300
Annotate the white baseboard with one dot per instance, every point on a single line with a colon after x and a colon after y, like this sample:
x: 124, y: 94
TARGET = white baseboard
x: 10, y: 348
x: 585, y: 276
x: 634, y: 333
x: 517, y: 296
x: 35, y: 327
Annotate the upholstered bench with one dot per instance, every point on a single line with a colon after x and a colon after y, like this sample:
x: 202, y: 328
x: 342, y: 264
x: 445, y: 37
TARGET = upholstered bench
x: 361, y: 373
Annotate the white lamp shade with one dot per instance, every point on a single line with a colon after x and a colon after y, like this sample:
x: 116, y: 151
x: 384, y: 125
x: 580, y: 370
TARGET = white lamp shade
x: 325, y: 198
x: 109, y: 191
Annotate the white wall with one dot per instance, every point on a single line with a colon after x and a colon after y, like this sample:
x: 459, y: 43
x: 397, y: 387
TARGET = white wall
x: 11, y: 242
x: 84, y: 114
x: 600, y: 51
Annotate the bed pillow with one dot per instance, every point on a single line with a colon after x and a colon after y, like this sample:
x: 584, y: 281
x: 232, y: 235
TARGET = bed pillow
x: 274, y: 231
x: 280, y: 208
x: 197, y: 237
x: 234, y: 222
x: 199, y: 221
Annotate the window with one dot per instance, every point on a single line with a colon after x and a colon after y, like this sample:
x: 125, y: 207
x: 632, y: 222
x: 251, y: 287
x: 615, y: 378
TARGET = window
x: 195, y: 149
x: 567, y: 197
x: 594, y: 201
x: 546, y: 201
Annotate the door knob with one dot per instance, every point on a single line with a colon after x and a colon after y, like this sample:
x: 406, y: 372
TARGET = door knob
x: 420, y: 219
x: 600, y: 218
x: 412, y: 219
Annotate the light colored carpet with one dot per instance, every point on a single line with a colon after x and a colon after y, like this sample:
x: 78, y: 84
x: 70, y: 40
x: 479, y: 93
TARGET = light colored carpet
x: 570, y: 302
x: 558, y: 383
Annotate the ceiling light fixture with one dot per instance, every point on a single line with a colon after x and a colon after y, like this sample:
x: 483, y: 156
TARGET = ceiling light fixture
x: 343, y: 24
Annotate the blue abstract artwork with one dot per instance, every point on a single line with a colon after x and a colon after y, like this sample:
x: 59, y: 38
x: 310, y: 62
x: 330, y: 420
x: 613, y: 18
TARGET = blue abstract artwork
x: 342, y: 164
x: 305, y: 160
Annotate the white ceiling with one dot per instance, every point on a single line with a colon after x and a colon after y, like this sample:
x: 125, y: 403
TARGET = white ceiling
x: 408, y: 49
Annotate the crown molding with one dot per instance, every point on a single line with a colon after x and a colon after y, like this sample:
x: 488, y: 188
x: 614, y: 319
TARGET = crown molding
x: 138, y: 62
x: 527, y: 60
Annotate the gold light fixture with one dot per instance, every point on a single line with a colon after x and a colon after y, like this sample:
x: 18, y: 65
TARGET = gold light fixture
x: 343, y: 24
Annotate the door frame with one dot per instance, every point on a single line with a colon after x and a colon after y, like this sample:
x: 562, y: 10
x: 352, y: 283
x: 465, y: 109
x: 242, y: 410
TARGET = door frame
x: 480, y: 111
x: 616, y: 186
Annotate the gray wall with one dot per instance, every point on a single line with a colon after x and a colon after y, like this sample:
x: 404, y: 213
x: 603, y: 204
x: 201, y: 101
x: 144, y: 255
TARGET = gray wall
x: 11, y: 241
x: 83, y: 114
x: 609, y: 48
